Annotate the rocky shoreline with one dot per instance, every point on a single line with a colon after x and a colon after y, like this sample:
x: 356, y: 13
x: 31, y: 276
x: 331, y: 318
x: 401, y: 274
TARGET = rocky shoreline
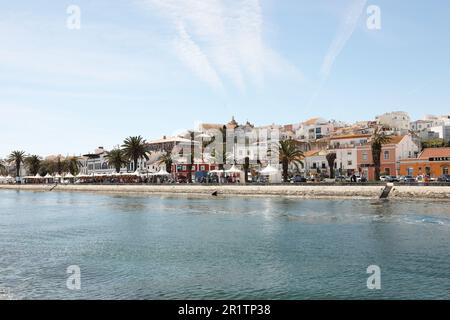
x: 301, y: 191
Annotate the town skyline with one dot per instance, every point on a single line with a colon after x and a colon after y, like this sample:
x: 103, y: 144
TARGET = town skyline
x: 142, y: 67
x: 182, y: 131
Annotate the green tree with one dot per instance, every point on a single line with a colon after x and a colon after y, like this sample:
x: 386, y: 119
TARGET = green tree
x: 289, y: 152
x: 166, y: 159
x: 331, y: 158
x: 191, y: 157
x: 433, y: 143
x: 378, y: 139
x: 33, y: 163
x: 3, y: 170
x: 246, y: 168
x: 72, y: 165
x: 18, y: 158
x: 117, y: 159
x: 135, y: 148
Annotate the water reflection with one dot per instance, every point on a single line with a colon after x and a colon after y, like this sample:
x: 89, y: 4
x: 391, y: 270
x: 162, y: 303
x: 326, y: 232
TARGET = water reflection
x: 199, y: 247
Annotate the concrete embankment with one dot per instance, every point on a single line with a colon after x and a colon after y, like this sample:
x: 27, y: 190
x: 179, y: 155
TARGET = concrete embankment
x: 303, y: 191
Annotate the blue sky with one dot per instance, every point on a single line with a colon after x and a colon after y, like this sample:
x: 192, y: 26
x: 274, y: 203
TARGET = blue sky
x: 155, y: 67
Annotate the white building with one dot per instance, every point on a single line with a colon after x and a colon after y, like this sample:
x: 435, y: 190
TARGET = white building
x: 345, y: 148
x: 441, y: 131
x: 316, y: 162
x: 97, y: 163
x: 398, y: 122
x: 315, y: 128
x: 432, y: 127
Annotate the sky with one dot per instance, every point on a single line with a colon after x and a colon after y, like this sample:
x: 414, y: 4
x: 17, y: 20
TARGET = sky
x: 156, y: 67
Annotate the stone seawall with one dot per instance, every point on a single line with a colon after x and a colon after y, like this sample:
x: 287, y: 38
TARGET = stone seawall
x: 303, y: 191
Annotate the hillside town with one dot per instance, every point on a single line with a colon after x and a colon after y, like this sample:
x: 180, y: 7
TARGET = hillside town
x: 313, y: 150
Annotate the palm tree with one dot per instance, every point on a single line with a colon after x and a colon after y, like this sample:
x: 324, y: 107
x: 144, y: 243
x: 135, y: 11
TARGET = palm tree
x: 17, y: 157
x: 72, y: 165
x: 117, y: 159
x: 166, y: 159
x: 2, y: 167
x: 191, y: 160
x: 331, y: 158
x: 289, y: 152
x: 246, y: 168
x: 377, y: 140
x: 135, y: 148
x: 34, y: 164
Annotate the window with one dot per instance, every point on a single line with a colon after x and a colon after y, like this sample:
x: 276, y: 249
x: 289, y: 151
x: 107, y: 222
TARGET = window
x: 387, y: 171
x: 386, y: 155
x: 324, y: 166
x: 445, y: 170
x: 349, y: 162
x: 410, y: 171
x: 184, y: 168
x: 314, y: 165
x: 202, y: 168
x: 365, y: 156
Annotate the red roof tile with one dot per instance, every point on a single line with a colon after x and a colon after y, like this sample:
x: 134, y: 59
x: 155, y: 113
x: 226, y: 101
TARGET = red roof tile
x: 434, y: 153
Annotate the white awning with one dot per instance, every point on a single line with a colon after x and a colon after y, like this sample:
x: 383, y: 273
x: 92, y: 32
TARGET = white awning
x: 162, y: 172
x: 233, y: 169
x: 269, y: 170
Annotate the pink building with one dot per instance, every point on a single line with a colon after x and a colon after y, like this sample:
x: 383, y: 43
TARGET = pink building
x: 400, y: 147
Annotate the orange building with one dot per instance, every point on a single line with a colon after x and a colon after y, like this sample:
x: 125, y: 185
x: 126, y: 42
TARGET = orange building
x: 433, y: 162
x: 399, y: 147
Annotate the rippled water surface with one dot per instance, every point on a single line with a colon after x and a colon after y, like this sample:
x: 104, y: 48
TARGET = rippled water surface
x: 161, y: 247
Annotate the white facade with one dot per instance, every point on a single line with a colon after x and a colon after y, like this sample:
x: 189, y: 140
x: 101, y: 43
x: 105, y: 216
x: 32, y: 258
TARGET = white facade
x: 398, y: 121
x: 346, y: 160
x: 420, y: 125
x: 345, y: 148
x: 314, y: 129
x: 316, y: 162
x: 96, y: 163
x: 405, y: 149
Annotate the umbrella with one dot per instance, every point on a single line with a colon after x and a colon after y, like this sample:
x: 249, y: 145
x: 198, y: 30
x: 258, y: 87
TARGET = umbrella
x: 38, y: 176
x: 204, y: 136
x: 58, y: 176
x: 162, y: 172
x: 137, y: 173
x: 48, y: 176
x: 233, y: 169
x: 269, y: 170
x: 69, y: 176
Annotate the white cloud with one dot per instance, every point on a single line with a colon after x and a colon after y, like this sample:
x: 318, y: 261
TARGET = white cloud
x: 193, y: 56
x: 220, y: 40
x: 345, y: 32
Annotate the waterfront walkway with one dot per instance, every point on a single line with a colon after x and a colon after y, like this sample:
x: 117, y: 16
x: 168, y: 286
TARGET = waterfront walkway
x: 304, y: 191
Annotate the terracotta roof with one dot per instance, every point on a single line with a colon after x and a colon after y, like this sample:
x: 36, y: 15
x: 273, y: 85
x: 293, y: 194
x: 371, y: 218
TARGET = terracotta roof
x: 311, y: 153
x: 350, y: 136
x: 311, y: 121
x: 168, y: 139
x: 434, y: 153
x: 208, y: 126
x: 395, y: 139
